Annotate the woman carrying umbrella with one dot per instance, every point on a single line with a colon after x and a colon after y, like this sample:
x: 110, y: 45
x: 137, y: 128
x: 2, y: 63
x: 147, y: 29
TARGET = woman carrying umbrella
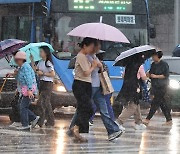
x: 131, y: 91
x: 45, y: 70
x: 82, y: 88
x: 27, y: 84
x: 129, y: 94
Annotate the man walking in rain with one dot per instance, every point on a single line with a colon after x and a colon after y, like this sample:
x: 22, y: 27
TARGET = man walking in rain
x: 159, y: 75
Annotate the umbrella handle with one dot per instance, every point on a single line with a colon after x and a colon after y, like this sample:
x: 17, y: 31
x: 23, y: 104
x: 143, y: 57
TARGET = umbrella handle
x: 3, y: 85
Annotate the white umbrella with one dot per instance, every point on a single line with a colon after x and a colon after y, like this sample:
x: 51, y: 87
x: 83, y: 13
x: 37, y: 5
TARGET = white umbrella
x: 147, y: 50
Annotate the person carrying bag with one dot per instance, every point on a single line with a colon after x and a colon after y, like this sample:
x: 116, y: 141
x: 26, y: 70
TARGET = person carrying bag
x: 106, y: 85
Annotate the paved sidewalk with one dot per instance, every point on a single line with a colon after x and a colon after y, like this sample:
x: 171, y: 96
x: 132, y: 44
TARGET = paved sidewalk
x: 155, y: 140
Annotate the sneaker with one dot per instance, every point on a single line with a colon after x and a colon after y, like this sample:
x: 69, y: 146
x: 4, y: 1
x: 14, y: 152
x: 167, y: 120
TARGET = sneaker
x: 34, y: 122
x: 115, y: 135
x: 140, y: 127
x: 90, y: 123
x: 15, y: 124
x: 27, y: 128
x: 122, y: 128
x: 168, y: 123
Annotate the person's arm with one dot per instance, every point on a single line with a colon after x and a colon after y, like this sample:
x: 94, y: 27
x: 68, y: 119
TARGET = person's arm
x: 93, y: 66
x: 49, y: 74
x: 164, y: 75
x: 29, y: 80
x: 33, y: 65
x: 148, y: 74
x: 14, y: 74
x: 157, y: 76
x: 84, y: 63
x: 142, y: 73
x: 99, y: 64
x: 28, y: 77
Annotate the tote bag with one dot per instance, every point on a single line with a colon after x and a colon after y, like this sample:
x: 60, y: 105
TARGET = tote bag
x: 106, y: 83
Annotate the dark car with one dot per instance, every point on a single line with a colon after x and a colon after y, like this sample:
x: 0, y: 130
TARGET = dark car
x: 8, y: 91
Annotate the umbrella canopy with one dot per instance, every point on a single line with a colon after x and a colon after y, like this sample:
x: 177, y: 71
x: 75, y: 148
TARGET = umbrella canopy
x: 176, y: 52
x: 99, y: 31
x: 146, y: 50
x: 7, y: 47
x: 33, y: 48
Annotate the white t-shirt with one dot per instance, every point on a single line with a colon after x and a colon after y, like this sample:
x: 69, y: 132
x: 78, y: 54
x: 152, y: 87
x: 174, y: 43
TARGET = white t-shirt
x: 42, y: 67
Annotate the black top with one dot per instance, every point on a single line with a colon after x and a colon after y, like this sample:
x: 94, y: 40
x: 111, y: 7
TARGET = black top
x: 161, y: 68
x: 131, y: 83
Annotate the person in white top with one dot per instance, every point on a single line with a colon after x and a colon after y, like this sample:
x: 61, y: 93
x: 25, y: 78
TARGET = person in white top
x: 46, y: 73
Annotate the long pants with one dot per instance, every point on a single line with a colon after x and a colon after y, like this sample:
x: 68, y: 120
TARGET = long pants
x: 160, y: 100
x: 130, y: 110
x: 109, y: 107
x: 44, y: 104
x: 100, y: 103
x: 99, y: 100
x: 82, y: 92
x: 26, y: 114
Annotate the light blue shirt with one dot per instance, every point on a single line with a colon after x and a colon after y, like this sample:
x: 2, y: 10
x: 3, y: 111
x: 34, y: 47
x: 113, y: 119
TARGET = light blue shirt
x: 94, y: 75
x: 26, y: 76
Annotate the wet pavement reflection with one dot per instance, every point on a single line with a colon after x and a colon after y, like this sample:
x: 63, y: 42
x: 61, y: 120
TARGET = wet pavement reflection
x: 156, y: 139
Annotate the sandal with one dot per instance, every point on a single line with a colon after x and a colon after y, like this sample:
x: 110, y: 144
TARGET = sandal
x: 146, y: 122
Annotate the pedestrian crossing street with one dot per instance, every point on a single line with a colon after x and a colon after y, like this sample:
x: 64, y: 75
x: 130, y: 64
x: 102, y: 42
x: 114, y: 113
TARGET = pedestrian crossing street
x: 156, y: 139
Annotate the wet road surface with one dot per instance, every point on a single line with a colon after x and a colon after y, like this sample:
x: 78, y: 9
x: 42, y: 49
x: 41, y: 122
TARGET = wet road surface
x: 156, y: 139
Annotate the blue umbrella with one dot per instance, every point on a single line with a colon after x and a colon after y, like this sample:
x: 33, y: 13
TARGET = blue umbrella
x: 33, y: 48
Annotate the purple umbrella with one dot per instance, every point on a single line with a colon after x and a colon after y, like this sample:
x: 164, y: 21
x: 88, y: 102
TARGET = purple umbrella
x: 7, y: 47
